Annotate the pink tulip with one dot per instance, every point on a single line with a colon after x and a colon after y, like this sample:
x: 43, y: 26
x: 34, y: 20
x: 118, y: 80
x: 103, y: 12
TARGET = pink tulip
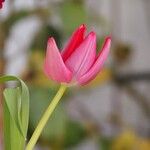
x: 78, y: 62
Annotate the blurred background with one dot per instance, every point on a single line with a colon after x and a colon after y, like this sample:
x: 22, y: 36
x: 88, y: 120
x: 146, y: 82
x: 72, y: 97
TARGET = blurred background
x: 113, y: 111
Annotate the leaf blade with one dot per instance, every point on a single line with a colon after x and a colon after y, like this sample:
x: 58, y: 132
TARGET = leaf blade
x: 16, y: 113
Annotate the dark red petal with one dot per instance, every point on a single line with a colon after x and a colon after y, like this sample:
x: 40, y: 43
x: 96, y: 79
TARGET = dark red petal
x: 74, y: 42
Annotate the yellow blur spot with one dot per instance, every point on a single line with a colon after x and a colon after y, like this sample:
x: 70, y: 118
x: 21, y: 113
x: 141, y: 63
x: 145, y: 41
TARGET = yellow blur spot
x: 128, y: 140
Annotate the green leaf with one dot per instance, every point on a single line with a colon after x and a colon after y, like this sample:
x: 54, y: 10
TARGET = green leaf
x: 13, y: 139
x: 16, y: 114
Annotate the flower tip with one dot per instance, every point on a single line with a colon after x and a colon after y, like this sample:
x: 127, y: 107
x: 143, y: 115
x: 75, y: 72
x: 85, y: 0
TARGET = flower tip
x: 51, y: 43
x: 108, y: 38
x: 82, y: 27
x: 107, y: 41
x: 92, y: 35
x: 51, y: 40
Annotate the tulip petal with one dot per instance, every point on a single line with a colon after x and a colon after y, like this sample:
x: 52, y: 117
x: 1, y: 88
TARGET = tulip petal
x: 83, y: 57
x: 74, y: 42
x: 54, y: 66
x: 97, y: 66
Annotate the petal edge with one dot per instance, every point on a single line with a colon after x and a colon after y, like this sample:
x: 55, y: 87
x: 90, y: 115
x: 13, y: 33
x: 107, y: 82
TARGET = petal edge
x: 97, y: 66
x: 83, y: 57
x: 54, y: 66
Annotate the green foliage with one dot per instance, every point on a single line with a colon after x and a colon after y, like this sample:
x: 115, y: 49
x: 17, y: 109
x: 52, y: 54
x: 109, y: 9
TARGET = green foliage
x: 73, y: 14
x: 41, y: 98
x: 105, y: 143
x: 74, y: 134
x: 16, y: 114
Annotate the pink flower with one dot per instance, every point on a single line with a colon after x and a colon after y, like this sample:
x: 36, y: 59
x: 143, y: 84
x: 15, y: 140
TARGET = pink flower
x: 78, y: 62
x: 1, y: 3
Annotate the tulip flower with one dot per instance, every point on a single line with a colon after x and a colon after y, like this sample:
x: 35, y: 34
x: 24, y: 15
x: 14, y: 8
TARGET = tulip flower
x: 78, y: 62
x: 1, y: 3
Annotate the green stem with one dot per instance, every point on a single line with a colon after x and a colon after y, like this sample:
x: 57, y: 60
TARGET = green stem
x: 45, y: 117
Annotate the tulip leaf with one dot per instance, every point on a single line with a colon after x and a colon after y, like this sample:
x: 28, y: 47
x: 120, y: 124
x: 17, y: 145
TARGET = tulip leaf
x: 13, y: 139
x: 16, y: 114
